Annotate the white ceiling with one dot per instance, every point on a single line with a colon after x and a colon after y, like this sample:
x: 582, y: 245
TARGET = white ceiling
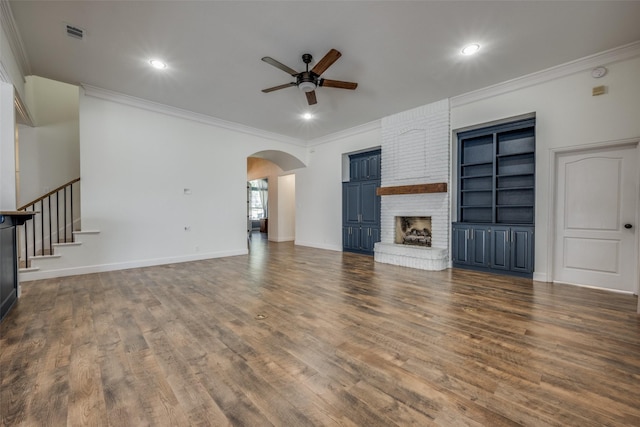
x: 402, y: 54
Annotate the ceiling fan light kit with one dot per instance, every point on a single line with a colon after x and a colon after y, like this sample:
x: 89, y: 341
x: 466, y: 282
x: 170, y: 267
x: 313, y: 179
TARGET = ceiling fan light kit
x: 307, y: 86
x: 307, y: 81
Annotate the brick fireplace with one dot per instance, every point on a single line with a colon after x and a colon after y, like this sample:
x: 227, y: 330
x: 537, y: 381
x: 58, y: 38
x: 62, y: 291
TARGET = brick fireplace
x: 415, y: 160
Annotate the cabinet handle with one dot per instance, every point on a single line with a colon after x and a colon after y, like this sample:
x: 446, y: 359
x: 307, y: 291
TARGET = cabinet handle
x: 472, y: 232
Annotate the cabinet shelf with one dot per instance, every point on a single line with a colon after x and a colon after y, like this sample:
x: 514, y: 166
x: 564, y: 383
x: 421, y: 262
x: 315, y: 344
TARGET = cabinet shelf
x: 514, y: 154
x: 528, y: 187
x: 476, y: 163
x: 502, y: 175
x: 477, y: 176
x: 488, y: 190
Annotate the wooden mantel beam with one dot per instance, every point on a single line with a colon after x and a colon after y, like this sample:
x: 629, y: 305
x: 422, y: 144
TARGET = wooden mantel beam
x: 437, y: 187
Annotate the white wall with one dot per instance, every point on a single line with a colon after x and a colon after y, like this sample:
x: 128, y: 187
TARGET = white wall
x: 319, y: 188
x: 49, y: 152
x: 135, y: 165
x: 286, y: 218
x: 10, y: 77
x: 7, y: 149
x: 566, y: 115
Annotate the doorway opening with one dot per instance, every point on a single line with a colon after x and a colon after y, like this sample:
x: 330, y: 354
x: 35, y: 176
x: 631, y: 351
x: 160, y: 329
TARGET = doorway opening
x: 258, y: 205
x: 271, y: 195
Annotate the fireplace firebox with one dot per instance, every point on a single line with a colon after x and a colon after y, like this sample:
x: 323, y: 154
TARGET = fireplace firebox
x: 413, y: 230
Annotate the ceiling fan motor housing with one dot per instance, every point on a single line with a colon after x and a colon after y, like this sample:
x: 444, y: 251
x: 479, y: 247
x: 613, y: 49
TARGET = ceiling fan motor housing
x: 307, y: 81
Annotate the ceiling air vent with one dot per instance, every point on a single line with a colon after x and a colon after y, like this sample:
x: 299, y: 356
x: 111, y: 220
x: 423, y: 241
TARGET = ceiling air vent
x: 75, y: 32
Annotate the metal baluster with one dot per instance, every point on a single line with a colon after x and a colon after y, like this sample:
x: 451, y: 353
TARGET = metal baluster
x: 26, y: 244
x: 65, y: 214
x: 33, y: 229
x: 42, y: 226
x: 50, y: 233
x: 58, y: 216
x: 71, y: 207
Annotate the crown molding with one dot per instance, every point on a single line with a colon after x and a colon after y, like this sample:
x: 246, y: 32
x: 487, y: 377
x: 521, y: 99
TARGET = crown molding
x: 610, y: 56
x: 22, y: 112
x: 144, y: 104
x: 357, y: 130
x: 10, y: 28
x: 4, y: 75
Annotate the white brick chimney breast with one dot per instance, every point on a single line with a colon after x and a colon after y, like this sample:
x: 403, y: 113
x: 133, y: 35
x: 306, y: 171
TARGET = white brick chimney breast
x: 415, y: 150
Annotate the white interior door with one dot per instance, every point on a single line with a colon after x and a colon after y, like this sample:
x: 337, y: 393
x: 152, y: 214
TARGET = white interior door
x: 597, y: 201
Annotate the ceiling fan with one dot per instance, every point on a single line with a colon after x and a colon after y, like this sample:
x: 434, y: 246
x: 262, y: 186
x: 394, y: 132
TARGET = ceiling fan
x: 308, y: 81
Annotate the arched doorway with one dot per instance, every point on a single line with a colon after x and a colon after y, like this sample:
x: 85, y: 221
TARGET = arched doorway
x: 276, y: 217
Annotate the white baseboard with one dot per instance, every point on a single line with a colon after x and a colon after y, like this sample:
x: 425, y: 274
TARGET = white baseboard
x: 600, y: 288
x: 283, y: 239
x: 541, y: 277
x: 28, y: 276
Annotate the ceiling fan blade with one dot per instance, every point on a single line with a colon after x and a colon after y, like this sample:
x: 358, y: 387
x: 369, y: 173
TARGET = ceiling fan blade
x: 311, y: 97
x: 337, y: 83
x: 322, y: 65
x: 280, y: 65
x: 271, y: 89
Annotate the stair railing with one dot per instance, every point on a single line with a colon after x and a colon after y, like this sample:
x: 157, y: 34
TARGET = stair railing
x: 53, y: 221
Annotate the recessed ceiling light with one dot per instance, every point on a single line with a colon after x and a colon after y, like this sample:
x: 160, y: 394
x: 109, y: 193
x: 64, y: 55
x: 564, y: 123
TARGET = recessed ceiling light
x: 470, y: 49
x: 156, y: 63
x: 307, y: 116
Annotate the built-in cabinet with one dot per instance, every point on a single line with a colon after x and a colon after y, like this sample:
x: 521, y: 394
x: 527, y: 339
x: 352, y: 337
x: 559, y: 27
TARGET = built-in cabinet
x: 496, y: 194
x: 9, y: 221
x: 507, y: 249
x: 364, y: 166
x: 361, y: 204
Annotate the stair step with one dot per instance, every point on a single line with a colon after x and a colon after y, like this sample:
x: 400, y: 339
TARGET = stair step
x: 44, y: 257
x: 27, y: 270
x: 67, y: 244
x: 87, y: 232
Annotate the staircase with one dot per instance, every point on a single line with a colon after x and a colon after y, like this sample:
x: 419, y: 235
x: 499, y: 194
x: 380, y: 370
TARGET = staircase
x: 50, y: 240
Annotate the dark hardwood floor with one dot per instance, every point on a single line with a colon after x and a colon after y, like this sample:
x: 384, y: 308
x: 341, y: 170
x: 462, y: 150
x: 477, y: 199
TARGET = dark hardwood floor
x: 295, y: 336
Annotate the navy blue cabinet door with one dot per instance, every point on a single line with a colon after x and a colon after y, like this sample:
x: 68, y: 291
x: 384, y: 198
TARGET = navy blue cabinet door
x: 471, y: 245
x: 351, y: 238
x: 461, y: 244
x: 351, y: 202
x: 512, y: 249
x: 500, y: 248
x: 522, y: 249
x: 363, y: 167
x: 480, y: 237
x: 370, y: 203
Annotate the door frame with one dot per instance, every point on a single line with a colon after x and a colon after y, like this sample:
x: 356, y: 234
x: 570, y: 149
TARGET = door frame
x: 552, y: 212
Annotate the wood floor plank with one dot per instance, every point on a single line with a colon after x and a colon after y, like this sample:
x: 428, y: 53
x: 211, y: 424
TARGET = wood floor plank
x: 297, y: 336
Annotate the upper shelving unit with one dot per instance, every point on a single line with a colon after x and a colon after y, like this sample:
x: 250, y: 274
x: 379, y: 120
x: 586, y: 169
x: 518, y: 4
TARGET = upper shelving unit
x: 496, y: 174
